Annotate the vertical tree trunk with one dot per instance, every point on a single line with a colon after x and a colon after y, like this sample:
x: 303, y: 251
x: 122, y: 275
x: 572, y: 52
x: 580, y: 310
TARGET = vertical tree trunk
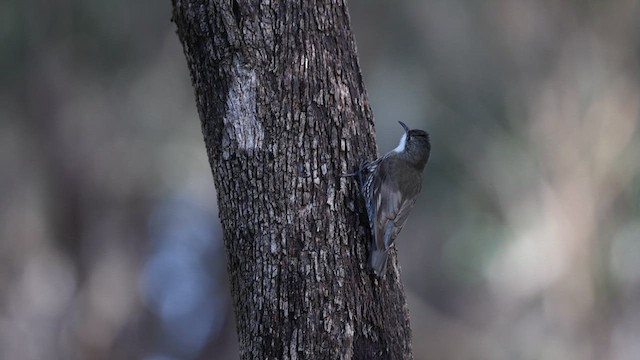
x: 283, y: 110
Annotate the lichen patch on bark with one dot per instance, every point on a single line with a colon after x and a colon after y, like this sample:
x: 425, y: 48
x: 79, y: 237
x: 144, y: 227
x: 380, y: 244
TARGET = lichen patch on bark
x: 240, y: 120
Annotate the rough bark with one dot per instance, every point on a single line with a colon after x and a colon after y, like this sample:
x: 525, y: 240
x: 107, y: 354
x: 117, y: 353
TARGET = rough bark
x: 283, y: 110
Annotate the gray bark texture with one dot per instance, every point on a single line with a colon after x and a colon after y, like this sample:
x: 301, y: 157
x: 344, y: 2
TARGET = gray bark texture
x: 283, y: 110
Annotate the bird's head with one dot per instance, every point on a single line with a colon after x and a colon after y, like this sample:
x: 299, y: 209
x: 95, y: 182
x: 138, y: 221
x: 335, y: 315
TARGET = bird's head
x: 415, y: 144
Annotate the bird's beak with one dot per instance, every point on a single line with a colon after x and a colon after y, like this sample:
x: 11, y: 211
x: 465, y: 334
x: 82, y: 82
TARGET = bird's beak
x: 405, y: 127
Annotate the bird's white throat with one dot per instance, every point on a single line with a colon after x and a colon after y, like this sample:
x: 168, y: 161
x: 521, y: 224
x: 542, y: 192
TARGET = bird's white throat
x: 401, y: 145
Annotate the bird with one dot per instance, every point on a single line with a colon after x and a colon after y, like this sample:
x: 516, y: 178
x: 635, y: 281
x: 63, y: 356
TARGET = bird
x: 390, y: 186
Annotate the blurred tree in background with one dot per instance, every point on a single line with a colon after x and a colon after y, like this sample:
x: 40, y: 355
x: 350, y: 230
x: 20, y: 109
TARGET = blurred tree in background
x: 525, y: 242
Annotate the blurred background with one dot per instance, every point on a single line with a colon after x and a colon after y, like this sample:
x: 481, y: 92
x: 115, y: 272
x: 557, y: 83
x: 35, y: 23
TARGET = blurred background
x: 525, y: 243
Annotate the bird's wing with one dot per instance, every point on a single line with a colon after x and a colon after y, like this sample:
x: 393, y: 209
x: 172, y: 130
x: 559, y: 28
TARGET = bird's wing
x: 391, y: 209
x: 399, y: 221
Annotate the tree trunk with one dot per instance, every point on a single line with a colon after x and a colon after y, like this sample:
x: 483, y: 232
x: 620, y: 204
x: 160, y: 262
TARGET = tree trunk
x: 283, y: 110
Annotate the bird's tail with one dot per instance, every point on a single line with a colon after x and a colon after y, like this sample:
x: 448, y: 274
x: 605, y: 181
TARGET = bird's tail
x: 378, y: 261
